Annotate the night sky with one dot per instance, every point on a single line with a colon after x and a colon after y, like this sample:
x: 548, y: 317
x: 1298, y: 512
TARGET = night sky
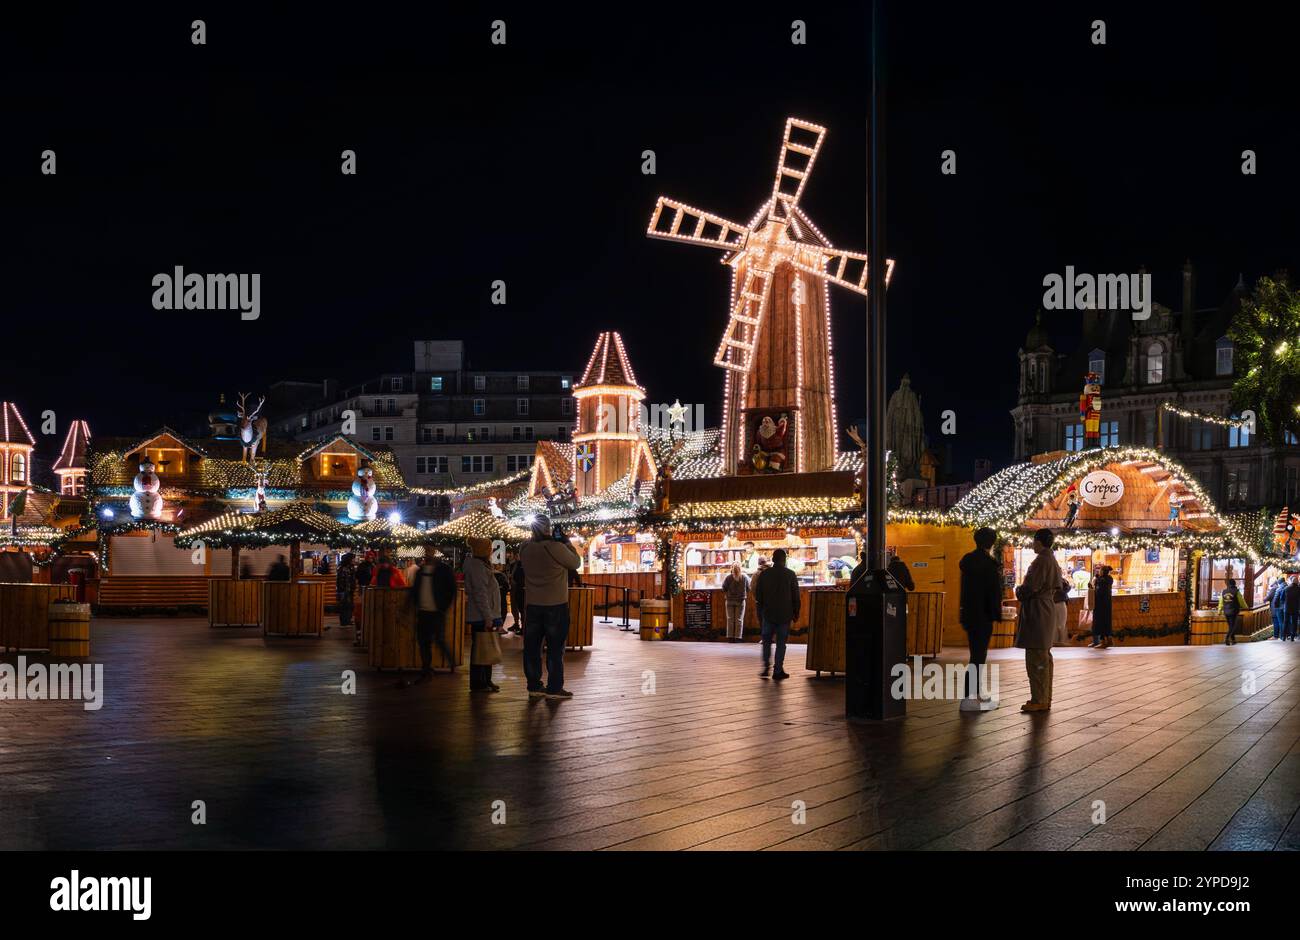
x: 523, y: 163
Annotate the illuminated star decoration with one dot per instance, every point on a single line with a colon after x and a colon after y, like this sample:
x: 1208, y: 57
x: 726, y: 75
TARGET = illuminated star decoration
x: 677, y: 414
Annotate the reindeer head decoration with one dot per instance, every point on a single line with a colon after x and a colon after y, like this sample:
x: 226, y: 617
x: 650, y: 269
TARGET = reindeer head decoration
x: 252, y: 429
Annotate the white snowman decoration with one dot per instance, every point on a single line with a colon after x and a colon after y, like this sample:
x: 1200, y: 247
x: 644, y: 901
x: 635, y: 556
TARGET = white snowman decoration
x: 145, y: 501
x: 362, y: 505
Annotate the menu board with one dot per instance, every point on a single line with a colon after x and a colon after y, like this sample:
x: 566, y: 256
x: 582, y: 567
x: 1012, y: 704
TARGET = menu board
x: 698, y: 612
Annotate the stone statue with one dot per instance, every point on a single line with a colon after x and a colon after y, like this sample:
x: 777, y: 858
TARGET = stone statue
x: 905, y: 430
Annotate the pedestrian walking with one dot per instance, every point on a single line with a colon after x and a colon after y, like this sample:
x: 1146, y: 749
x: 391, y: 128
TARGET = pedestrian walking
x: 482, y: 610
x: 1277, y: 607
x: 776, y: 598
x: 518, y: 599
x: 345, y: 586
x: 432, y: 595
x: 735, y: 590
x: 1103, y: 586
x: 1036, y: 625
x: 980, y: 608
x: 1230, y: 607
x: 1292, y: 608
x: 547, y: 561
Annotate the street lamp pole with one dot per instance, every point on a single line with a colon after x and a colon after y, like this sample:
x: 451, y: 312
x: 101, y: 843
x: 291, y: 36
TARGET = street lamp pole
x: 875, y: 456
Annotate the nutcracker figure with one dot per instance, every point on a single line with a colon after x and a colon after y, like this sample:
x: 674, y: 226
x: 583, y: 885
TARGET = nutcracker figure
x: 1090, y: 410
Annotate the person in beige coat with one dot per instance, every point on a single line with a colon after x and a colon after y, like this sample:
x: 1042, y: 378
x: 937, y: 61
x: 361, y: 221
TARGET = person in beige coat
x: 1036, y: 626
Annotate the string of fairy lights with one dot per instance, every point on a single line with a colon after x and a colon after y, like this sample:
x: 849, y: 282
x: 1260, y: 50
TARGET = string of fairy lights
x: 1193, y: 415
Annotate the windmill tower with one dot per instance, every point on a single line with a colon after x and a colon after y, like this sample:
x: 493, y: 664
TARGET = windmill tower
x: 776, y: 348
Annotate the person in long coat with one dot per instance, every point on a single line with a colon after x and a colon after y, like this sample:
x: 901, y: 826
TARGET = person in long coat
x: 980, y: 608
x: 1102, y: 585
x: 1036, y: 625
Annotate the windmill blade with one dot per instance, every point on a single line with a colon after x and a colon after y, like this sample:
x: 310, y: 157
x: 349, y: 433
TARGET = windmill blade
x: 794, y: 165
x: 736, y: 351
x: 683, y: 223
x: 845, y: 268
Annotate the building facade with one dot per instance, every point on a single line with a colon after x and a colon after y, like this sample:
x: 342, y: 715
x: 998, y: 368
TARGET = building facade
x: 448, y: 424
x: 1182, y: 358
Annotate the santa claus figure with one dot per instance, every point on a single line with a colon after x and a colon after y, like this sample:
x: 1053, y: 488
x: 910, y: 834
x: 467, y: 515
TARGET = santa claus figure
x: 145, y: 502
x: 1090, y: 410
x: 769, y: 445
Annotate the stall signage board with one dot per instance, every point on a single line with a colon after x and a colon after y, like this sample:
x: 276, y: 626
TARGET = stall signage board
x: 1101, y: 488
x: 619, y: 539
x: 697, y: 536
x: 698, y: 610
x: 761, y: 535
x: 822, y: 532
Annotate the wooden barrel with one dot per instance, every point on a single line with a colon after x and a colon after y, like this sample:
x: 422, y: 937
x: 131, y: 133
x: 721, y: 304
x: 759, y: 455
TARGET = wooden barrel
x: 1208, y: 628
x: 582, y: 611
x: 390, y: 620
x: 826, y: 649
x: 1004, y: 635
x: 24, y: 613
x: 654, y: 618
x: 69, y: 629
x: 234, y: 603
x: 924, y: 623
x: 293, y: 608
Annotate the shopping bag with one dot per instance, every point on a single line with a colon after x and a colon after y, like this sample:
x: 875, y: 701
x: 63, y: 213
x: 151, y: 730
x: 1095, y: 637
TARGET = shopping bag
x: 487, y: 649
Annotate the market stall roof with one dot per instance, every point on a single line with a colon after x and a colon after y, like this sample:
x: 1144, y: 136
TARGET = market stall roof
x: 297, y: 522
x: 476, y: 524
x: 1026, y: 492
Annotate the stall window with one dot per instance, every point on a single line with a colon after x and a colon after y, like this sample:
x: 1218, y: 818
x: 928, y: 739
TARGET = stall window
x: 1214, y: 577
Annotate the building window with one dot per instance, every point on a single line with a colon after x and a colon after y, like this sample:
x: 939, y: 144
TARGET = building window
x: 439, y: 435
x: 426, y: 434
x: 435, y: 383
x: 1074, y: 437
x: 1223, y: 356
x: 1109, y: 433
x: 1097, y: 363
x: 1155, y: 364
x: 376, y: 433
x: 18, y: 467
x: 304, y: 422
x: 480, y: 406
x: 1238, y: 437
x: 430, y: 464
x: 562, y: 434
x: 521, y: 406
x: 517, y: 462
x: 1288, y: 437
x: 1202, y: 437
x: 395, y: 384
x: 392, y: 406
x: 388, y: 433
x: 521, y: 383
x: 566, y: 406
x: 379, y: 404
x: 1238, y: 487
x: 476, y: 463
x: 516, y: 433
x: 480, y: 383
x: 566, y: 382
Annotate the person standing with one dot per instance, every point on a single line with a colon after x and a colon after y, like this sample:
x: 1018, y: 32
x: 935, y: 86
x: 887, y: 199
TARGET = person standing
x: 1230, y: 607
x: 547, y: 559
x: 1036, y: 625
x: 1277, y: 607
x: 482, y: 607
x: 1292, y: 618
x: 980, y: 608
x: 518, y: 599
x: 345, y: 586
x: 898, y: 568
x: 366, y: 571
x: 432, y: 595
x: 776, y: 597
x: 735, y: 589
x: 503, y: 593
x: 1103, y: 586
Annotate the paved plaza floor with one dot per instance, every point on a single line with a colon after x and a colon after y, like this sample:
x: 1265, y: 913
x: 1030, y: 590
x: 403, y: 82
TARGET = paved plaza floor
x: 665, y: 745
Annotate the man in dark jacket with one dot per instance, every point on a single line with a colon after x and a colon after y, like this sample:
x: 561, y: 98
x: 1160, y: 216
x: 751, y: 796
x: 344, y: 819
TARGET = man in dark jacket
x: 279, y: 570
x: 981, y: 607
x: 432, y: 595
x: 776, y: 597
x: 1292, y: 608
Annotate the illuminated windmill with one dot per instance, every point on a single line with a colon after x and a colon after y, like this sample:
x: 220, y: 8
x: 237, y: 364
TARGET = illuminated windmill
x: 776, y: 347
